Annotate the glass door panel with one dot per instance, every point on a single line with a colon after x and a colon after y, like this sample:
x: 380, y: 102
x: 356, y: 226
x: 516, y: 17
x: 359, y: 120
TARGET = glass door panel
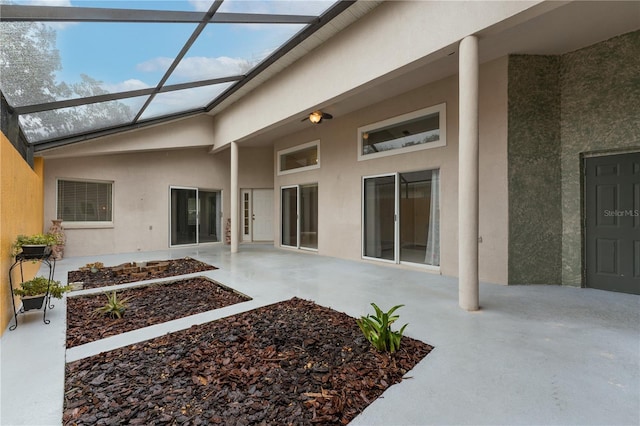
x: 415, y: 200
x: 401, y: 217
x: 184, y: 216
x: 309, y: 216
x: 289, y: 201
x: 379, y: 217
x: 247, y: 215
x: 210, y: 216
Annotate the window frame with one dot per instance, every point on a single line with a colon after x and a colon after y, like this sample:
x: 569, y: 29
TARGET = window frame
x: 296, y: 148
x: 441, y: 109
x: 87, y: 224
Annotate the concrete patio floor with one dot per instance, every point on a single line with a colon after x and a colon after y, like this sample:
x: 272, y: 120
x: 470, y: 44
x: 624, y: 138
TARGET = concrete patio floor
x: 532, y: 355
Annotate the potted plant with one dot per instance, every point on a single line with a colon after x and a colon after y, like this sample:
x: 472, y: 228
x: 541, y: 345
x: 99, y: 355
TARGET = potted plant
x: 34, y: 246
x: 34, y: 292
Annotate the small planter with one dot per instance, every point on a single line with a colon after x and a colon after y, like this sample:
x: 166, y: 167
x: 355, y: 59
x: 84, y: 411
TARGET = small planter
x: 32, y: 302
x: 35, y: 250
x: 33, y: 246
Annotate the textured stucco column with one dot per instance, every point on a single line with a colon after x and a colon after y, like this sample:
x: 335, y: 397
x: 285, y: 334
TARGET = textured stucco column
x: 234, y: 197
x: 468, y: 286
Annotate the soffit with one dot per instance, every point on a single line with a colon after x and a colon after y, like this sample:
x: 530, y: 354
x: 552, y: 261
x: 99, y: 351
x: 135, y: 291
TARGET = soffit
x: 550, y: 28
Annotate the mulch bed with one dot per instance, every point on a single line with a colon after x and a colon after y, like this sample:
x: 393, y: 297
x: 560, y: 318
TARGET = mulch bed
x: 149, y: 305
x: 106, y: 275
x: 291, y: 363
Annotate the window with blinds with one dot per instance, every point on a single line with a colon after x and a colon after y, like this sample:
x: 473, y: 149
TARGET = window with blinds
x: 85, y: 201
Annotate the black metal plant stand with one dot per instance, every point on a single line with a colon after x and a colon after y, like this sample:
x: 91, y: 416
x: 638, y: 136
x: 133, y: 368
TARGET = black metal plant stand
x: 47, y: 260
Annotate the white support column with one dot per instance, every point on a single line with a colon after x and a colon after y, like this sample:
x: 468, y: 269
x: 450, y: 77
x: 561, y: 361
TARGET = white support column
x: 234, y: 197
x: 468, y: 287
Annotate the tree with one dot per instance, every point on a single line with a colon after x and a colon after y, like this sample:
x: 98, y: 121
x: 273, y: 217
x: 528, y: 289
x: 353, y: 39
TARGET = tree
x: 29, y: 61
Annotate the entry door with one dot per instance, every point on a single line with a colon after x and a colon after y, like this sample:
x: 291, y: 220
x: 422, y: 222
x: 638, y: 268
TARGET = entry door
x: 257, y: 215
x: 613, y: 222
x: 210, y: 216
x: 262, y: 215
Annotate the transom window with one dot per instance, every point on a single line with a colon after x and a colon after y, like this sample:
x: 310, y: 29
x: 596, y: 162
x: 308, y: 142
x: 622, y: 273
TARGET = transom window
x: 422, y: 129
x: 299, y: 158
x: 85, y: 201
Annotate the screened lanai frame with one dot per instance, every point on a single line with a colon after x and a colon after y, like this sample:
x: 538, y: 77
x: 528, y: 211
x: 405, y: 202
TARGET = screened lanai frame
x: 92, y: 109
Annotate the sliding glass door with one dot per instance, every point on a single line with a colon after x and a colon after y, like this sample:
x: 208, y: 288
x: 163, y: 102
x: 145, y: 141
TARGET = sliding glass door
x: 195, y: 216
x: 380, y: 217
x: 289, y: 211
x: 184, y: 212
x: 210, y: 214
x: 401, y: 217
x: 299, y: 216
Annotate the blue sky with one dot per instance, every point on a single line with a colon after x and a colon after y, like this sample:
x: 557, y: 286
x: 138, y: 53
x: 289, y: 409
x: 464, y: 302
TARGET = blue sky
x: 132, y: 56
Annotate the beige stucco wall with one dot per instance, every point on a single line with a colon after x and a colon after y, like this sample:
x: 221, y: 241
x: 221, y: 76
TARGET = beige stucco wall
x: 143, y: 169
x: 256, y: 168
x: 140, y: 194
x: 494, y: 181
x: 340, y: 175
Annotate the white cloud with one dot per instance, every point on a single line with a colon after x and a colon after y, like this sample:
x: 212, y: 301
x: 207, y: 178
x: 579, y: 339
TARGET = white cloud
x: 287, y: 7
x: 198, y: 67
x: 125, y: 86
x: 181, y: 100
x: 66, y: 3
x: 201, y: 68
x: 201, y: 5
x: 156, y: 64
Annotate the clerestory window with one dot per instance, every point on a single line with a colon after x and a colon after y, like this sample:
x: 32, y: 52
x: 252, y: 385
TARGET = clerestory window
x: 299, y: 158
x: 418, y: 130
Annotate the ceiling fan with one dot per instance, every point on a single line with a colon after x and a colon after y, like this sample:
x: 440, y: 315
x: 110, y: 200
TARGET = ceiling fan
x: 316, y: 117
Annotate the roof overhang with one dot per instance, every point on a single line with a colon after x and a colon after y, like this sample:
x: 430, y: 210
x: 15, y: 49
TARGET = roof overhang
x: 546, y: 28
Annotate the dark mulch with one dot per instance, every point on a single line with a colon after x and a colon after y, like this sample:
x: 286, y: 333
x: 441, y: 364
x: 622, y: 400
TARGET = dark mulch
x: 149, y: 305
x: 106, y: 276
x: 293, y: 362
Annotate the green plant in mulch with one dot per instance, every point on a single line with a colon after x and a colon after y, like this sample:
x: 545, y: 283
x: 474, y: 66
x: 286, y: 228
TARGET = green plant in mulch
x: 377, y: 329
x: 114, y: 307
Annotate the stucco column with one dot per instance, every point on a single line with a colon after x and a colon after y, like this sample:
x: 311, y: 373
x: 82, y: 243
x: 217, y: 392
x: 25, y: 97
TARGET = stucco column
x: 234, y: 197
x: 468, y: 293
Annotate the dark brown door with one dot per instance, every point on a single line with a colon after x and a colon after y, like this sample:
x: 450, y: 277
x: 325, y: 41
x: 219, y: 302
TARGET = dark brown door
x: 613, y: 222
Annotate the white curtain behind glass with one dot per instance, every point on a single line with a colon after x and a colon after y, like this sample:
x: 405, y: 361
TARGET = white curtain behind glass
x: 433, y: 238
